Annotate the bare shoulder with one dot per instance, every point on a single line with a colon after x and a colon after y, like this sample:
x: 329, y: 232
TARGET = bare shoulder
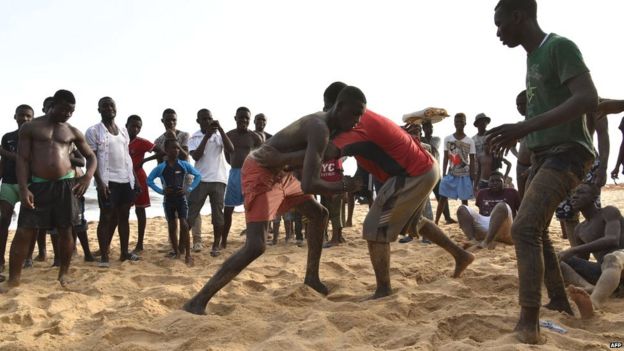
x: 611, y: 213
x: 316, y: 123
x: 76, y: 132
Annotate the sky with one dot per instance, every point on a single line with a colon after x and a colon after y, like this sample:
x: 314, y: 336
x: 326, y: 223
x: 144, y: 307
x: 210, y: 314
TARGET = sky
x: 277, y: 57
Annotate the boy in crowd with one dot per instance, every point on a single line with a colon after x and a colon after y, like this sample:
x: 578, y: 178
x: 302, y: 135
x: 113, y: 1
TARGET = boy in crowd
x: 172, y: 174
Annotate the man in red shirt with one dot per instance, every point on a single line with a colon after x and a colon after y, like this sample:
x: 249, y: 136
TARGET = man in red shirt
x: 497, y: 207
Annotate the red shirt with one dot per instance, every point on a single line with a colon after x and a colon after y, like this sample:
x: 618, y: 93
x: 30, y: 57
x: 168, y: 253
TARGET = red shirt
x: 382, y: 148
x: 137, y: 148
x: 331, y: 171
x: 486, y: 200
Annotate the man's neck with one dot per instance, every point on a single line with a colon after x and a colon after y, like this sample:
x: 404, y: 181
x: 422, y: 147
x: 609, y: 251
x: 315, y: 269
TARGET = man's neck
x: 171, y: 162
x: 590, y: 212
x: 534, y: 37
x: 459, y: 134
x: 481, y: 132
x: 109, y: 122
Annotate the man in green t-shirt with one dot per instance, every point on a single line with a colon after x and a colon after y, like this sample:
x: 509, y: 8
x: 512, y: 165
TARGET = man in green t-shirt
x: 559, y: 93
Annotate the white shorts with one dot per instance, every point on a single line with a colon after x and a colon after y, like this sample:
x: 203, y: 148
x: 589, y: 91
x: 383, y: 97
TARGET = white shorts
x: 481, y: 222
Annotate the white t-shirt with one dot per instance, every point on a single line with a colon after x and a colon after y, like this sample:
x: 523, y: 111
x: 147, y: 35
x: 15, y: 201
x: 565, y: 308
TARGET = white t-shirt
x: 211, y: 165
x: 479, y: 141
x: 459, y: 152
x: 118, y: 150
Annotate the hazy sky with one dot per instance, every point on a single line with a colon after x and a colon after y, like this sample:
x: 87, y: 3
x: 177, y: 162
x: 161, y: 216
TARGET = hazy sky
x: 277, y: 57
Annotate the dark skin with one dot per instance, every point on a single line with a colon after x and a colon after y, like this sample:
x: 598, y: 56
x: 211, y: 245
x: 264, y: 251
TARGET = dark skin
x: 21, y: 116
x: 616, y: 170
x: 134, y: 128
x: 260, y: 122
x: 244, y: 140
x: 43, y: 151
x: 310, y: 134
x: 111, y: 218
x: 517, y: 28
x: 170, y: 121
x: 209, y: 127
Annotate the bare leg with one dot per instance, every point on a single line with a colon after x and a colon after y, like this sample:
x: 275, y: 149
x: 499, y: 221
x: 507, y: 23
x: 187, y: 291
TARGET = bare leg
x: 317, y: 221
x: 466, y: 224
x: 253, y: 248
x: 570, y: 276
x: 106, y: 225
x: 172, y: 228
x: 141, y: 224
x: 380, y: 258
x: 442, y: 202
x: 185, y: 241
x: 66, y: 249
x: 275, y: 230
x: 54, y: 239
x: 609, y: 280
x: 6, y: 212
x: 227, y: 214
x: 84, y: 242
x: 350, y: 208
x: 462, y: 257
x: 500, y: 227
x: 41, y: 244
x: 19, y: 251
x: 123, y: 212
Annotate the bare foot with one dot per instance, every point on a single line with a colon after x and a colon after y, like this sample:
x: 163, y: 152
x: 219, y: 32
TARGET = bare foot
x: 462, y: 263
x: 532, y: 337
x: 89, y: 258
x: 381, y: 292
x: 189, y: 261
x: 65, y: 282
x: 582, y: 300
x: 192, y: 307
x: 40, y: 258
x: 560, y: 305
x: 317, y: 285
x: 28, y: 263
x: 491, y: 246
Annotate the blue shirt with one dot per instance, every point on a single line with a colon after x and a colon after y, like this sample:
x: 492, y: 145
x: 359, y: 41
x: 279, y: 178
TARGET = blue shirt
x: 173, y: 177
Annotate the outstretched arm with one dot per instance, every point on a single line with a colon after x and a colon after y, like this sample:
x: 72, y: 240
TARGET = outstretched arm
x: 608, y: 107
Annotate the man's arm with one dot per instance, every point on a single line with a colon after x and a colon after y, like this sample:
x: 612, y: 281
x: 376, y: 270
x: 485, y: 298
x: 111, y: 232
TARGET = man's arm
x: 22, y: 165
x: 609, y: 107
x: 473, y: 168
x: 583, y: 99
x: 81, y: 144
x: 508, y: 165
x: 444, y: 162
x: 602, y: 134
x: 76, y: 159
x: 616, y: 170
x: 198, y: 152
x: 228, y: 146
x: 610, y: 240
x: 156, y: 172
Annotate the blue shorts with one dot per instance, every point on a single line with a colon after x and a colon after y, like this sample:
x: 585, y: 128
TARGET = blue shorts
x: 234, y: 189
x: 176, y: 207
x: 454, y: 187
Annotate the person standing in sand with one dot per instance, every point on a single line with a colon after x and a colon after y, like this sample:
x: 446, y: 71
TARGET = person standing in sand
x: 244, y: 140
x: 602, y: 235
x: 114, y: 179
x: 560, y: 92
x: 260, y: 122
x: 51, y: 199
x: 269, y: 191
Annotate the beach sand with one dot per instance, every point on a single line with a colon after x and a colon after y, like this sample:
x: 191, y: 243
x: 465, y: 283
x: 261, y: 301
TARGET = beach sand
x: 136, y: 306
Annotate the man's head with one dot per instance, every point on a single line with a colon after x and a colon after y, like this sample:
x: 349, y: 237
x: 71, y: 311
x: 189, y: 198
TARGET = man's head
x: 204, y: 119
x: 481, y: 121
x: 47, y: 104
x: 172, y: 149
x: 511, y: 18
x: 107, y: 108
x: 621, y: 126
x: 260, y: 122
x: 242, y: 118
x: 349, y: 107
x: 169, y: 119
x: 414, y: 130
x: 134, y: 125
x: 521, y: 103
x: 427, y: 127
x: 460, y: 122
x: 23, y: 114
x: 583, y: 196
x: 331, y: 94
x: 495, y: 183
x: 63, y: 106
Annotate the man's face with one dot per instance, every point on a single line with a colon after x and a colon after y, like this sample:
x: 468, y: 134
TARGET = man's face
x: 23, y: 115
x: 582, y: 197
x: 170, y: 120
x: 507, y: 27
x: 349, y: 113
x: 134, y: 127
x: 495, y: 183
x: 481, y: 124
x: 460, y: 122
x: 521, y: 104
x: 172, y: 150
x: 107, y: 108
x: 242, y: 120
x: 61, y: 111
x: 204, y: 119
x: 260, y: 122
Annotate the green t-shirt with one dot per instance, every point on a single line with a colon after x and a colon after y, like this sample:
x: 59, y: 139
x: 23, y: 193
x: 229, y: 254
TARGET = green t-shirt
x: 549, y: 67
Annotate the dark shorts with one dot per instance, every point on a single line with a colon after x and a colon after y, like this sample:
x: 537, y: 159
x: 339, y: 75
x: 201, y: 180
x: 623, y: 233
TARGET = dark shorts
x: 83, y: 226
x: 589, y: 270
x: 176, y: 207
x: 120, y: 194
x: 56, y: 206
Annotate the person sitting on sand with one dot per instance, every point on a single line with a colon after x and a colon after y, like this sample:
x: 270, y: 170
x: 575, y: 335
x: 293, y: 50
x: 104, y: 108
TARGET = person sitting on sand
x: 270, y: 190
x: 497, y: 207
x: 51, y: 200
x: 172, y: 173
x: 601, y: 234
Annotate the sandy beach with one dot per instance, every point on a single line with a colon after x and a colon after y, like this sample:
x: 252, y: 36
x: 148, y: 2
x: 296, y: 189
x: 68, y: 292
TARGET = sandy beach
x: 136, y: 306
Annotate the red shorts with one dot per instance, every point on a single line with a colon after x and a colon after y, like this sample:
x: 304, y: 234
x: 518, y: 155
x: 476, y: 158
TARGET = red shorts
x: 268, y: 194
x: 142, y: 199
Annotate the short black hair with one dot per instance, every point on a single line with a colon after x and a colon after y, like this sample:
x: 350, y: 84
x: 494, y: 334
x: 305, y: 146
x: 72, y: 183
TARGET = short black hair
x: 331, y: 92
x: 104, y: 99
x: 169, y: 141
x: 260, y: 115
x: 497, y: 173
x: 527, y: 6
x: 64, y: 96
x: 460, y: 114
x: 242, y: 108
x: 169, y: 111
x: 203, y: 110
x: 134, y: 118
x: 595, y: 190
x: 351, y: 93
x: 48, y: 101
x: 24, y: 107
x: 521, y: 94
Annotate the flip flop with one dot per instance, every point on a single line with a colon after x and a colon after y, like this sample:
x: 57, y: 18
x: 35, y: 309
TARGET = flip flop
x: 132, y: 257
x: 215, y: 253
x: 405, y: 239
x: 103, y: 264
